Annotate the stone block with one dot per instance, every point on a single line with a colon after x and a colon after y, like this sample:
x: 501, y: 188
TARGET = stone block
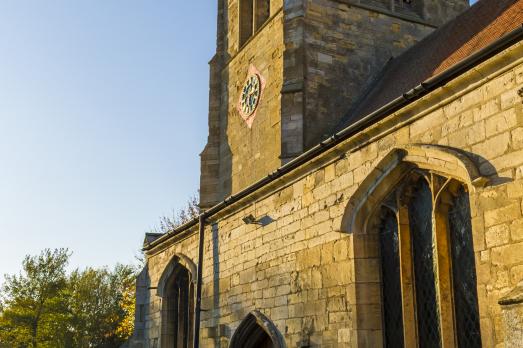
x: 486, y: 110
x: 316, y: 279
x: 508, y: 254
x: 487, y: 337
x: 431, y: 121
x: 314, y: 308
x: 364, y: 293
x: 517, y: 138
x: 502, y: 279
x: 497, y: 235
x: 369, y: 317
x: 516, y: 274
x: 293, y: 325
x: 327, y: 253
x: 516, y: 230
x: 515, y: 189
x: 501, y: 122
x: 468, y: 136
x: 296, y: 310
x: 493, y: 147
x: 485, y: 256
x: 509, y: 160
x: 344, y: 335
x: 336, y: 304
x: 504, y: 214
x: 279, y: 313
x: 339, y: 317
x: 336, y: 274
x: 508, y: 99
x: 340, y: 250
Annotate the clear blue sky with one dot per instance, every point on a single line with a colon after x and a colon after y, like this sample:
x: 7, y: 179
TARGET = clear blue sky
x: 103, y: 112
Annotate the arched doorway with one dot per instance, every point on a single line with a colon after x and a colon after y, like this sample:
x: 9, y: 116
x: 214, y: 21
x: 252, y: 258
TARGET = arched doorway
x: 256, y: 331
x: 177, y: 314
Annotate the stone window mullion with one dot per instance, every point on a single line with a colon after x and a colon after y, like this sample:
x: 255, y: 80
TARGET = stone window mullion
x: 442, y: 264
x: 407, y: 280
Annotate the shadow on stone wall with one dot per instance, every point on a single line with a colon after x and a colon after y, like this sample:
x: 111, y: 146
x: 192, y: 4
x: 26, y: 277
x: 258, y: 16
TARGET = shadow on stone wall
x: 143, y: 300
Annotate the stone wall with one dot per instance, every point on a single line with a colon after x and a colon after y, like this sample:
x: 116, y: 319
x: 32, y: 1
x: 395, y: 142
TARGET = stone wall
x: 347, y: 46
x: 298, y: 267
x: 311, y: 275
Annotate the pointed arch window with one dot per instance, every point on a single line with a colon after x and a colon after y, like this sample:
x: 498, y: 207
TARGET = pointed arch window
x: 177, y: 309
x: 428, y: 277
x: 253, y: 15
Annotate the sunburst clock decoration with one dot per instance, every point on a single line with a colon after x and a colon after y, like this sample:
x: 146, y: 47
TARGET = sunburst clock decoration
x: 250, y: 95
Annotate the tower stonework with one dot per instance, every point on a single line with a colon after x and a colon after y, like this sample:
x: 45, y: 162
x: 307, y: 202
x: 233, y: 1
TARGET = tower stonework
x: 317, y: 58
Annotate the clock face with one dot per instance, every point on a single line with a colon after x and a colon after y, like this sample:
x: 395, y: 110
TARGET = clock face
x: 250, y: 95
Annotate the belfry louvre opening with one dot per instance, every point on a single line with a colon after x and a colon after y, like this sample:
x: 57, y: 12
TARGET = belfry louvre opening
x: 428, y: 276
x: 253, y: 14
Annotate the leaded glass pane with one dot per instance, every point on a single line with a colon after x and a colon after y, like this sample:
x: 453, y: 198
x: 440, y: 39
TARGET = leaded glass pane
x: 390, y: 277
x: 420, y: 221
x: 464, y: 272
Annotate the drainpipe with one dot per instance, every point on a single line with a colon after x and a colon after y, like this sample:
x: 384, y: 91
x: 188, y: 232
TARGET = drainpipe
x: 198, y: 304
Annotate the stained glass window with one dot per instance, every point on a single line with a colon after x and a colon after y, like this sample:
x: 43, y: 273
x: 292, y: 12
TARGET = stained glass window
x: 390, y: 278
x: 464, y: 272
x: 414, y: 259
x: 420, y: 220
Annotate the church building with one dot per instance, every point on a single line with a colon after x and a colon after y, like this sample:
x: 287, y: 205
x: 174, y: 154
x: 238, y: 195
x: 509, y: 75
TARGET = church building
x: 362, y: 183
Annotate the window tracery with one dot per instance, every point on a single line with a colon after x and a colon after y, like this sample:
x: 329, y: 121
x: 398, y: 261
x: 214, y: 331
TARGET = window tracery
x: 428, y: 277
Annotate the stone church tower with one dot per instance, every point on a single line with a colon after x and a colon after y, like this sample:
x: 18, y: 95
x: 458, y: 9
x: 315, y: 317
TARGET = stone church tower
x: 314, y: 59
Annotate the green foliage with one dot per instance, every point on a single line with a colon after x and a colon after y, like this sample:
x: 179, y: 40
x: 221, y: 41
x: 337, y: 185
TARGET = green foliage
x: 34, y: 302
x: 46, y: 307
x: 100, y: 306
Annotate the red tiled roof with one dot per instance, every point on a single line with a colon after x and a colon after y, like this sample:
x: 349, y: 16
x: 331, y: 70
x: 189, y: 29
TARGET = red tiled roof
x: 474, y: 29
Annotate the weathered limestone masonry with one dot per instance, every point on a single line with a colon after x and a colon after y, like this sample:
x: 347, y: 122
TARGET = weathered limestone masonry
x: 234, y: 155
x: 319, y: 281
x: 316, y: 56
x: 346, y: 46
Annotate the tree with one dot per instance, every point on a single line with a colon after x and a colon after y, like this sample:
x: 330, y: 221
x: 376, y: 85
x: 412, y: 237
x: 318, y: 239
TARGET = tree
x: 33, y: 304
x: 102, y: 306
x: 46, y: 307
x: 186, y: 214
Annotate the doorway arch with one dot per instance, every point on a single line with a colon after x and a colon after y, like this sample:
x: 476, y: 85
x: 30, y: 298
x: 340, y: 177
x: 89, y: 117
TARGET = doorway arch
x: 256, y: 331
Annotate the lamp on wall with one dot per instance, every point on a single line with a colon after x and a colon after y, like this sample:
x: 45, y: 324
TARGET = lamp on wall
x: 250, y: 219
x: 263, y: 221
